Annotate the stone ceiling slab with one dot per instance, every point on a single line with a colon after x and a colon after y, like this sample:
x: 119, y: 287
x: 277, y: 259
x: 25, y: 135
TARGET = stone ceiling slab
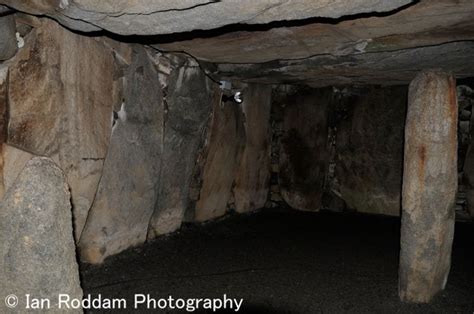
x: 378, y: 68
x: 144, y: 17
x: 427, y: 23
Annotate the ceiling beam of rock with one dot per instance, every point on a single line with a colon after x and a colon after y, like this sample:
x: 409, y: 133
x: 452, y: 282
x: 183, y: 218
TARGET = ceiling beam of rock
x: 386, y: 49
x: 426, y: 23
x: 378, y: 68
x: 144, y: 17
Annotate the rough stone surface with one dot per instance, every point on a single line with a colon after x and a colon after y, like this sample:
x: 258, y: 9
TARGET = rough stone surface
x: 222, y: 155
x: 37, y: 252
x: 3, y: 116
x: 8, y: 45
x: 87, y: 78
x: 69, y: 112
x: 143, y: 17
x: 35, y: 113
x: 253, y: 175
x: 397, y: 67
x: 429, y: 186
x: 127, y: 191
x: 370, y: 151
x: 425, y: 23
x: 14, y: 160
x: 188, y: 103
x: 304, y: 155
x: 466, y: 98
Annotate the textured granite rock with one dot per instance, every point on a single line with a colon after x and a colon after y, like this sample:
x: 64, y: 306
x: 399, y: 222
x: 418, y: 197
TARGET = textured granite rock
x: 127, y: 190
x: 143, y: 17
x: 397, y: 67
x: 14, y: 160
x: 225, y: 143
x: 430, y: 181
x: 188, y: 103
x: 425, y: 23
x: 37, y: 251
x: 62, y: 91
x: 253, y: 175
x: 3, y: 117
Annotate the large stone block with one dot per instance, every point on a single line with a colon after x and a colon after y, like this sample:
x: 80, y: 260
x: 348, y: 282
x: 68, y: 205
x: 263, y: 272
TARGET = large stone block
x: 37, y: 251
x: 304, y: 155
x: 253, y: 175
x: 127, y: 191
x: 370, y: 150
x: 222, y: 155
x: 35, y: 92
x: 61, y: 96
x: 429, y: 186
x: 189, y: 103
x: 167, y: 17
x: 8, y: 45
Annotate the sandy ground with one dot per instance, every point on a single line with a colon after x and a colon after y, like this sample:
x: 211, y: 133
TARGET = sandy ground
x: 283, y: 261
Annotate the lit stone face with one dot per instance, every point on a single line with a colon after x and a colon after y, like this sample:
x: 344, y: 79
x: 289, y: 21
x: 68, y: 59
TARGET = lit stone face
x: 429, y: 186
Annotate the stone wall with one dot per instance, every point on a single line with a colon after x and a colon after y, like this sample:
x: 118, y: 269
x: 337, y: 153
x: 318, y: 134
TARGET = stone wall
x: 95, y: 106
x: 303, y: 150
x: 351, y: 152
x: 369, y: 150
x: 143, y: 138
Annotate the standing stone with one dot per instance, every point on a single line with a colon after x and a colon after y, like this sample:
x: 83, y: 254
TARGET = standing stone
x: 127, y: 191
x: 370, y: 150
x: 222, y: 156
x: 304, y: 155
x: 37, y: 252
x: 429, y: 186
x: 35, y: 113
x: 8, y: 45
x: 87, y: 78
x: 188, y: 102
x: 61, y: 93
x: 253, y: 174
x: 3, y: 118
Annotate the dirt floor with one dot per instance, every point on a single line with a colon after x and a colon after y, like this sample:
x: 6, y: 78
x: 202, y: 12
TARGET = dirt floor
x: 283, y: 261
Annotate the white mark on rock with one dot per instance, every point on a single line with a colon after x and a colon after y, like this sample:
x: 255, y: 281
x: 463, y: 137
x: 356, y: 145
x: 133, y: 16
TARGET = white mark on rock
x: 120, y: 115
x: 20, y: 42
x: 63, y: 4
x: 361, y: 45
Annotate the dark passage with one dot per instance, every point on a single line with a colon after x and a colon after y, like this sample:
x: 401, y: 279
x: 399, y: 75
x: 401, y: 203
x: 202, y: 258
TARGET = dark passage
x: 296, y: 262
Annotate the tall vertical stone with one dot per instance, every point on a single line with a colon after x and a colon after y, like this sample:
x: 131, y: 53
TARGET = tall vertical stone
x: 37, y: 251
x: 253, y: 174
x: 304, y: 155
x: 429, y: 186
x: 188, y: 103
x: 127, y: 190
x: 222, y: 155
x: 3, y: 119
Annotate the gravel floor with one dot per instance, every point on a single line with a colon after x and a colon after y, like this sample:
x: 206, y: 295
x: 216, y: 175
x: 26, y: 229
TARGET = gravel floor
x: 283, y: 261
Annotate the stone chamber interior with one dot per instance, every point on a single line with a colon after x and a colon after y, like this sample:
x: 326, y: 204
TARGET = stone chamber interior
x: 304, y: 156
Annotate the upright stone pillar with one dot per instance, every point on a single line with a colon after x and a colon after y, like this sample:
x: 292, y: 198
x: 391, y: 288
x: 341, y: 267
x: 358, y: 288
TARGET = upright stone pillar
x: 429, y: 186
